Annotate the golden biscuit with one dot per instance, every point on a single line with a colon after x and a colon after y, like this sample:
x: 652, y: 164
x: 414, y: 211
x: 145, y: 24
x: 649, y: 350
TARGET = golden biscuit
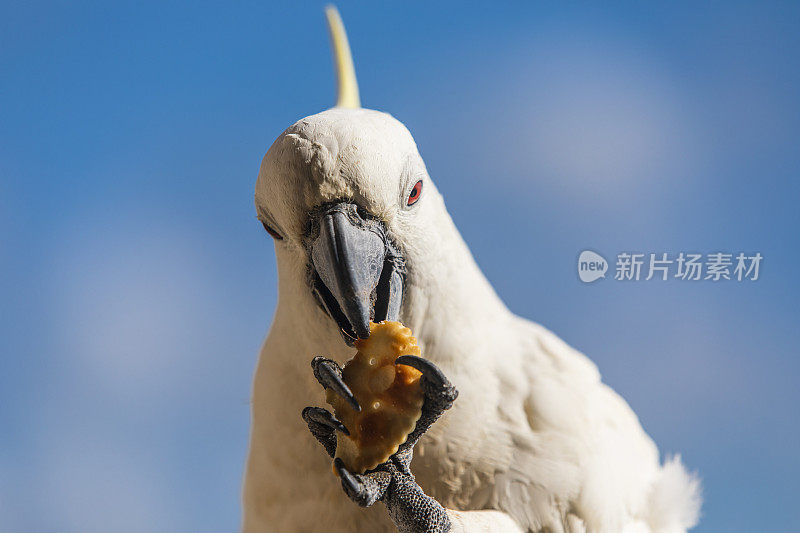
x: 390, y: 397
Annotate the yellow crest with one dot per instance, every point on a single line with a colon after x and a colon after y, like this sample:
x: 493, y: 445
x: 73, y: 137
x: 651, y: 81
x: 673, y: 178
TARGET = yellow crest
x: 346, y: 84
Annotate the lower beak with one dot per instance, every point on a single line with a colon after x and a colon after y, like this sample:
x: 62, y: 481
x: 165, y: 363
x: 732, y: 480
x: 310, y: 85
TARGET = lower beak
x: 357, y: 277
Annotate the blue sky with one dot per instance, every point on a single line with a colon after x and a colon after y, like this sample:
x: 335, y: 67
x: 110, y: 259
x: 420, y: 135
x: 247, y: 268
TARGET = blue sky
x: 136, y: 284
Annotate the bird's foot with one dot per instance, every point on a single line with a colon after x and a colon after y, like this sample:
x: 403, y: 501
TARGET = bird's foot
x: 411, y: 510
x: 392, y: 482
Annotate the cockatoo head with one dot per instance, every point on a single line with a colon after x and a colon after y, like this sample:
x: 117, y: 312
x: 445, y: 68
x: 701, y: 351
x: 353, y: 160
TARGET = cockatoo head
x: 347, y: 197
x: 348, y: 200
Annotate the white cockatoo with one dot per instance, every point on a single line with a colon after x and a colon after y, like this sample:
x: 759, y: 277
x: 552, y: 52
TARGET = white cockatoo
x: 535, y: 440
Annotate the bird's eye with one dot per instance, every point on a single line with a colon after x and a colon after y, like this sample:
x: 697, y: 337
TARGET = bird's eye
x: 415, y: 193
x: 274, y: 234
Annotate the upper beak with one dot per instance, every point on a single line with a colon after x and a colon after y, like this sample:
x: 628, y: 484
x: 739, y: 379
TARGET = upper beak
x: 357, y: 276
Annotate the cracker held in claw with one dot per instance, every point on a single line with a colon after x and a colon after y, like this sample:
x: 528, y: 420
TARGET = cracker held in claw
x: 390, y: 397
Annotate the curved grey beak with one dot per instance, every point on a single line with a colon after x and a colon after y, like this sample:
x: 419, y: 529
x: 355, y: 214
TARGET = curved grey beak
x: 356, y: 275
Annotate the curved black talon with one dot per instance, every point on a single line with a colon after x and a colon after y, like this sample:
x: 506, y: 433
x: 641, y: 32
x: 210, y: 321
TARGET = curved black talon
x: 323, y: 417
x: 352, y: 487
x: 329, y: 375
x: 435, y: 378
x: 428, y: 369
x: 364, y: 489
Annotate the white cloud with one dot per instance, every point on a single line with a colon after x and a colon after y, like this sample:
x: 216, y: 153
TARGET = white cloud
x: 599, y: 119
x: 582, y: 115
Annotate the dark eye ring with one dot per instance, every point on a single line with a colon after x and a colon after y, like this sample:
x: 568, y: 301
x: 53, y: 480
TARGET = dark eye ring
x: 274, y: 234
x: 415, y: 193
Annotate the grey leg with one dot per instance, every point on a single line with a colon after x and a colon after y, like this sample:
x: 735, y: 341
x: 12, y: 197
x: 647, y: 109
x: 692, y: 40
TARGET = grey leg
x: 411, y: 510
